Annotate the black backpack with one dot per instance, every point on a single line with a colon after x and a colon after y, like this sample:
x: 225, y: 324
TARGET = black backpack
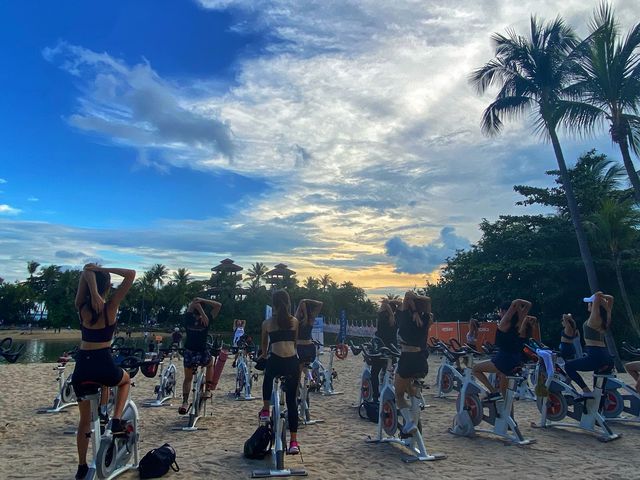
x: 259, y: 444
x: 157, y: 462
x: 369, y: 411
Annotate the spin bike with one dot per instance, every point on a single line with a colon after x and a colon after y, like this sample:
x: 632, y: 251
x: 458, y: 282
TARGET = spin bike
x: 114, y: 455
x: 304, y: 388
x: 66, y: 396
x: 7, y: 353
x: 620, y: 398
x: 323, y: 377
x: 563, y: 400
x: 449, y: 377
x: 198, y: 406
x: 278, y: 424
x: 366, y: 386
x: 244, y: 376
x: 389, y: 417
x: 471, y: 411
x: 166, y: 390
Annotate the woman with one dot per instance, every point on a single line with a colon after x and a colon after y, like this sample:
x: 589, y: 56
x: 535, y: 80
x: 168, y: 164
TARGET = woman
x: 510, y: 335
x: 472, y: 334
x: 413, y: 319
x: 597, y: 357
x: 306, y: 313
x: 567, y: 337
x: 238, y: 332
x: 196, y: 351
x: 387, y: 332
x: 279, y: 335
x: 94, y: 362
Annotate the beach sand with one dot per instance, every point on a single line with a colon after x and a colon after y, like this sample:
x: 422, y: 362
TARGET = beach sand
x: 34, y: 446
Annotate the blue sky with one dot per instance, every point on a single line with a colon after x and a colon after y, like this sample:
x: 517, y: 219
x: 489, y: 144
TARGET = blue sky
x: 338, y: 137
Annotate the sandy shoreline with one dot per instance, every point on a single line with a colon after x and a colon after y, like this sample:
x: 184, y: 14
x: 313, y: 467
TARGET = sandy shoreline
x: 34, y: 447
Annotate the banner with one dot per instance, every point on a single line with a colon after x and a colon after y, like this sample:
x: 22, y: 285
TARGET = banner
x: 342, y: 334
x: 445, y: 331
x: 317, y: 333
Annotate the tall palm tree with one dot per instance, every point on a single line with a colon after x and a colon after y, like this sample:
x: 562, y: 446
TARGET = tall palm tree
x: 32, y: 267
x: 311, y: 283
x: 159, y: 272
x: 181, y: 276
x: 608, y: 81
x: 532, y: 74
x: 325, y: 281
x: 615, y: 226
x: 257, y: 272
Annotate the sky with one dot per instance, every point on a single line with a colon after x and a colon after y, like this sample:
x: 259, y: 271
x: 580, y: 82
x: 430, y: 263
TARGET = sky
x: 337, y: 137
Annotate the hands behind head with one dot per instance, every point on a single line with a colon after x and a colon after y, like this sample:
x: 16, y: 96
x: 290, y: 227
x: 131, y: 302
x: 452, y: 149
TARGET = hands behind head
x: 92, y: 267
x: 97, y: 303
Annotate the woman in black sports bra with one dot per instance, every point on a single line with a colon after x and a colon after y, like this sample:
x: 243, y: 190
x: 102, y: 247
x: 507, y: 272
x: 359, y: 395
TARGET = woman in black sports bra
x: 569, y: 334
x: 279, y: 334
x: 306, y: 313
x: 94, y: 362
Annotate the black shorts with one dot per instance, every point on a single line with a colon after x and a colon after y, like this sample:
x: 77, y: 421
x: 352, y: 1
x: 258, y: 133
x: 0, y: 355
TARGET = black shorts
x: 306, y: 353
x: 507, y: 362
x: 95, y: 366
x: 413, y: 364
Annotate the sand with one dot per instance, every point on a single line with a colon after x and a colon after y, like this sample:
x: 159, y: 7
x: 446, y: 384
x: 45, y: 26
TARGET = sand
x: 34, y: 446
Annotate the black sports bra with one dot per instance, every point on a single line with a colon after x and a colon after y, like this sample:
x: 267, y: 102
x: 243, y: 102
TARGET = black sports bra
x: 282, y: 336
x: 97, y: 335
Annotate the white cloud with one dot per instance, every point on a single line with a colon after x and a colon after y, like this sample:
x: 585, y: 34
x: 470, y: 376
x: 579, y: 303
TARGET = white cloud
x: 33, y: 199
x: 2, y: 180
x: 8, y: 210
x: 360, y: 117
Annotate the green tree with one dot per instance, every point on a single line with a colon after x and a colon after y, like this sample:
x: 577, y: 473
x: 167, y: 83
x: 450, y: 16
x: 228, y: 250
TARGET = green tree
x: 257, y: 272
x: 615, y: 226
x: 532, y: 74
x: 608, y: 82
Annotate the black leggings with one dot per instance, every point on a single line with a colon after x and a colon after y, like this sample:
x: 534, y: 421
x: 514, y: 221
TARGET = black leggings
x: 290, y: 369
x: 377, y: 366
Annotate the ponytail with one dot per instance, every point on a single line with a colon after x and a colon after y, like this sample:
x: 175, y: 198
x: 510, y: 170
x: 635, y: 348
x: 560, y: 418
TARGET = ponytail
x: 282, y: 308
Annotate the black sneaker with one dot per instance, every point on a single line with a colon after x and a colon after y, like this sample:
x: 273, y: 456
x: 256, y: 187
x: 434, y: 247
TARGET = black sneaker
x: 82, y: 471
x: 118, y: 427
x: 493, y: 397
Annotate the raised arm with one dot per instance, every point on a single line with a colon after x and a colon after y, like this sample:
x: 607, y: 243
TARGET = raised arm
x: 128, y: 276
x: 316, y: 307
x: 215, y: 306
x: 83, y: 291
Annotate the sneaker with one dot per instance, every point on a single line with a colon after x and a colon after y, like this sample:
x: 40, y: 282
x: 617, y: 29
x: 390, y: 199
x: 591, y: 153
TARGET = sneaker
x: 493, y: 397
x: 409, y: 428
x: 294, y: 448
x: 118, y: 427
x: 265, y: 415
x: 82, y: 471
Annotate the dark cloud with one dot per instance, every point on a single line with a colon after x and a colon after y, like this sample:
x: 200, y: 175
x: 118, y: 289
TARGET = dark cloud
x: 66, y: 254
x: 425, y: 258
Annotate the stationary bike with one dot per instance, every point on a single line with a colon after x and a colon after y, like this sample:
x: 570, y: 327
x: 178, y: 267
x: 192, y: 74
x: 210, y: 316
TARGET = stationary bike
x: 450, y: 377
x: 366, y: 386
x: 66, y: 396
x: 198, y: 407
x: 620, y: 398
x: 471, y: 411
x: 7, y: 353
x: 324, y: 377
x: 389, y: 419
x: 166, y: 389
x: 304, y: 404
x: 244, y: 376
x: 278, y: 424
x: 114, y: 455
x: 562, y: 400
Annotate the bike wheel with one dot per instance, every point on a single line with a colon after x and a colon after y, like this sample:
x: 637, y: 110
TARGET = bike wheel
x: 446, y: 382
x: 107, y: 458
x: 557, y: 407
x: 67, y: 395
x: 613, y: 404
x: 366, y: 390
x: 389, y: 417
x: 473, y: 405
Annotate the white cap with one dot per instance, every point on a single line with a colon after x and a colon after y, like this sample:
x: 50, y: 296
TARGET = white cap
x: 176, y: 329
x: 589, y: 299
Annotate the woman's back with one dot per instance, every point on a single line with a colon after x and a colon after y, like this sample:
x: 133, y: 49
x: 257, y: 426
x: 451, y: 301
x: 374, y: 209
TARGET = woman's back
x: 282, y: 341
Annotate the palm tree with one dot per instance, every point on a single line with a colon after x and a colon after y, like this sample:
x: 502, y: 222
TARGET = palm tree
x: 325, y: 281
x: 608, y: 81
x: 181, y: 276
x: 159, y: 272
x: 615, y: 227
x: 311, y: 283
x: 32, y: 267
x: 532, y: 74
x: 256, y: 272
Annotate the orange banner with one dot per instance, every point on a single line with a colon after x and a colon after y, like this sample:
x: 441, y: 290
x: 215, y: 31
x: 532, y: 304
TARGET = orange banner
x: 445, y: 331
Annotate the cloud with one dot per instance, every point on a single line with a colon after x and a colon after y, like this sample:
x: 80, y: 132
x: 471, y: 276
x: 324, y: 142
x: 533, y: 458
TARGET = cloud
x: 425, y: 258
x: 360, y: 118
x: 8, y: 210
x: 33, y: 199
x: 133, y: 106
x: 2, y: 180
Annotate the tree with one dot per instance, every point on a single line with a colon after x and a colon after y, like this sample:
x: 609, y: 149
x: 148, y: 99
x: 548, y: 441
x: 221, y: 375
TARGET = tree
x: 32, y: 267
x: 608, y: 82
x: 615, y: 225
x: 325, y: 281
x: 532, y: 74
x: 159, y: 272
x: 257, y: 272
